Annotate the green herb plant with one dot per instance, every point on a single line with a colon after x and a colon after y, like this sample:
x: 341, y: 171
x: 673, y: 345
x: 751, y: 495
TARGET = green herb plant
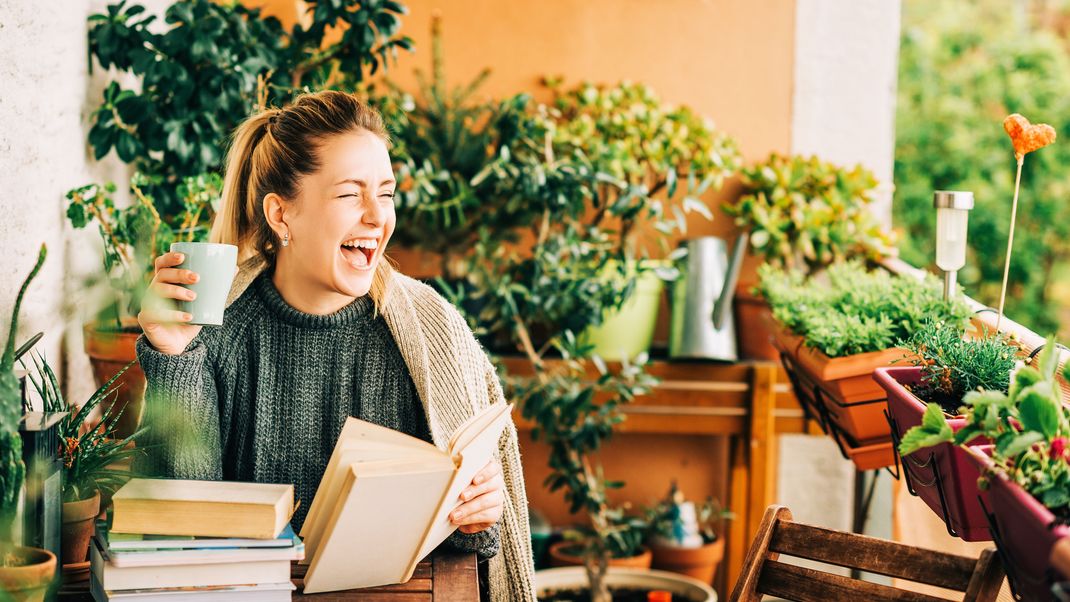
x: 12, y: 468
x: 805, y: 214
x: 952, y: 365
x: 92, y: 457
x: 1029, y: 426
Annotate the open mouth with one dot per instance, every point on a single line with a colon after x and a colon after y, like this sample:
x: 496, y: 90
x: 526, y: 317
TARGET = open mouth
x: 359, y: 252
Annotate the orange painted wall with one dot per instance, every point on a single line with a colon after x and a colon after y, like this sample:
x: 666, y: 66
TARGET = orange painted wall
x: 731, y: 60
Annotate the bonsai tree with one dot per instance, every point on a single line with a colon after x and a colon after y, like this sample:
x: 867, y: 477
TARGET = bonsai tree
x: 593, y: 175
x: 805, y: 214
x: 12, y: 469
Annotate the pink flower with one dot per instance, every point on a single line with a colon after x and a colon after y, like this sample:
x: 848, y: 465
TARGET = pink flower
x: 1060, y: 447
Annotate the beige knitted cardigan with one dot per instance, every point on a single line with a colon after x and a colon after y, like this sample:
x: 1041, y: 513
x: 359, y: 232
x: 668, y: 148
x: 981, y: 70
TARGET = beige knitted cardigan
x: 454, y: 378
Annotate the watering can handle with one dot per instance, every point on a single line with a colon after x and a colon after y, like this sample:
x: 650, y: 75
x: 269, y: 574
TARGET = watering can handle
x: 731, y: 277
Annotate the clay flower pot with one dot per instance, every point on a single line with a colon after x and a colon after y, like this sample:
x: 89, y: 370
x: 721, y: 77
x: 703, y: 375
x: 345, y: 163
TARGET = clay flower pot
x: 955, y: 500
x: 1026, y: 531
x: 698, y: 563
x: 30, y: 577
x: 754, y: 326
x: 109, y: 351
x: 78, y: 528
x: 563, y: 554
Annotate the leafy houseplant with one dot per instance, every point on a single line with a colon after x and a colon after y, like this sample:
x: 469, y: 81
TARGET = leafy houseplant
x: 24, y: 572
x: 1027, y: 468
x: 90, y: 456
x: 847, y: 323
x: 133, y: 237
x: 948, y: 365
x: 583, y: 168
x: 802, y: 214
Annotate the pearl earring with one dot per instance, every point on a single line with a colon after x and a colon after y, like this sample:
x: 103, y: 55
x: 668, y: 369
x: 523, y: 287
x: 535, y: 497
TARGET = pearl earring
x: 286, y: 239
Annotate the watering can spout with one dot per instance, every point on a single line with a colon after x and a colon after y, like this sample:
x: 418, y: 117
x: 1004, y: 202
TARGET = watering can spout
x: 731, y: 278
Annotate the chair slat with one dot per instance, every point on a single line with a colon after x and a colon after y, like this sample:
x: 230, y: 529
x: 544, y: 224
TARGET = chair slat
x: 801, y: 584
x: 873, y: 555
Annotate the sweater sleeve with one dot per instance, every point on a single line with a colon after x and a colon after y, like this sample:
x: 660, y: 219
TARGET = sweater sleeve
x: 485, y: 543
x: 181, y: 413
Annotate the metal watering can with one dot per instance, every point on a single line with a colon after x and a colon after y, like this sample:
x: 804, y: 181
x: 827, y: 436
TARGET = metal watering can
x: 701, y: 326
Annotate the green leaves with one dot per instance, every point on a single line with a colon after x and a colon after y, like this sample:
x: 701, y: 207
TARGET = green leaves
x: 933, y: 430
x: 1039, y: 410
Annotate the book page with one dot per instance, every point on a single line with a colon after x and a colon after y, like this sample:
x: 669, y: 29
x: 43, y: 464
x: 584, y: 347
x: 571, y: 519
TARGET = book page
x: 471, y: 459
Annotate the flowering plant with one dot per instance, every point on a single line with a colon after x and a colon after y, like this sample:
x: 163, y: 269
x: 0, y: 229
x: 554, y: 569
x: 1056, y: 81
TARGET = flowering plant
x: 1029, y: 427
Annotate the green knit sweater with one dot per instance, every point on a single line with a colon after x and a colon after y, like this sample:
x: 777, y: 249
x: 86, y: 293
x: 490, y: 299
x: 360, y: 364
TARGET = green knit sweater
x: 264, y: 397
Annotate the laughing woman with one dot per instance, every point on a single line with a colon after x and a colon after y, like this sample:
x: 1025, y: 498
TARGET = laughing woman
x: 320, y: 328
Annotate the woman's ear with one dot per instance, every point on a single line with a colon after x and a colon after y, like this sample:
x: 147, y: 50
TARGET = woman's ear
x: 275, y: 214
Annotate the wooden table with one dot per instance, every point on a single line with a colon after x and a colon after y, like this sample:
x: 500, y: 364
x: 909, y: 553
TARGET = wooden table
x: 441, y: 577
x: 444, y: 576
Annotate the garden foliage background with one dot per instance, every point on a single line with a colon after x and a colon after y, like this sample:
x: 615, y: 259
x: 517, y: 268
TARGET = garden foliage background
x: 963, y: 66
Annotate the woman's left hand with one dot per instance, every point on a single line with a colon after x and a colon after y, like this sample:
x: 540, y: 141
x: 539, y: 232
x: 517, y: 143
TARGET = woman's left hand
x: 482, y: 502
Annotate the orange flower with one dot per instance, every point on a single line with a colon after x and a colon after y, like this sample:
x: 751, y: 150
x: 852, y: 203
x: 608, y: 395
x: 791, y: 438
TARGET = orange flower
x: 1027, y: 137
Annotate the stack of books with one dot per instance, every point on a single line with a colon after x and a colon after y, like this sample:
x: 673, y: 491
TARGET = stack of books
x: 172, y: 541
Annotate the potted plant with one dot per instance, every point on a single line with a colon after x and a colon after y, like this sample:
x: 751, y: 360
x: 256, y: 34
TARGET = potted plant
x: 947, y: 366
x: 686, y: 539
x: 25, y: 573
x: 133, y: 237
x: 850, y: 320
x: 803, y: 214
x: 1026, y: 469
x: 538, y: 299
x: 92, y: 456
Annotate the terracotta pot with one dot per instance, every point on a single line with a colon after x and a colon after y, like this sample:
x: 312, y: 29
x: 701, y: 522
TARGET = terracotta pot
x: 560, y: 555
x: 78, y: 528
x: 754, y: 326
x: 697, y: 563
x: 1026, y: 529
x: 959, y: 509
x: 855, y: 402
x: 109, y: 351
x: 30, y: 579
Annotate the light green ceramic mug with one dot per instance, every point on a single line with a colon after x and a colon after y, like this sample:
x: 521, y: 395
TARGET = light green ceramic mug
x: 216, y: 265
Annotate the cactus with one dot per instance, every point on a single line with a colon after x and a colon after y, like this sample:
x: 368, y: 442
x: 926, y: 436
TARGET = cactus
x: 12, y: 469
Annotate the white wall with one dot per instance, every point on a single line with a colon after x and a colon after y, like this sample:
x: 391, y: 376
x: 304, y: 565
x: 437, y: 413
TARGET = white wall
x: 46, y: 96
x: 843, y: 110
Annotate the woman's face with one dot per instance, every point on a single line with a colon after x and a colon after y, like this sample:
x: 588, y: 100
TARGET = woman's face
x: 343, y: 216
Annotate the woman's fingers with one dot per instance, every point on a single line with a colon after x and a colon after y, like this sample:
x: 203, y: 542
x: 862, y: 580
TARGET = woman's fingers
x: 487, y: 472
x: 168, y: 260
x: 473, y: 511
x: 162, y: 316
x: 469, y: 529
x: 474, y: 491
x: 176, y: 276
x: 172, y: 291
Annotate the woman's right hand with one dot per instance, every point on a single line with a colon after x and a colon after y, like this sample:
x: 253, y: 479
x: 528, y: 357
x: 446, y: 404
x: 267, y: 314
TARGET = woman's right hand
x: 163, y: 325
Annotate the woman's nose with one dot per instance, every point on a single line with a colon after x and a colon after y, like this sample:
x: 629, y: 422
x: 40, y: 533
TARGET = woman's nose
x: 373, y: 213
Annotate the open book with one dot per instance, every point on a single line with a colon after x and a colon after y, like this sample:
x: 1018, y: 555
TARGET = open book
x: 385, y: 499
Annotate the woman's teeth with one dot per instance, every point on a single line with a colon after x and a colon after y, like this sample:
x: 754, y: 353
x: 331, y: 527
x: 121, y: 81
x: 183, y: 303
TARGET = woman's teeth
x: 359, y: 252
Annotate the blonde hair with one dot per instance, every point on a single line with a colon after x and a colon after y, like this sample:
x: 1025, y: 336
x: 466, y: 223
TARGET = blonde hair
x: 269, y: 152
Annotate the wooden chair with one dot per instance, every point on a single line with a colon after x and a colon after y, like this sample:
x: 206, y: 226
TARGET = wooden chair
x: 763, y: 573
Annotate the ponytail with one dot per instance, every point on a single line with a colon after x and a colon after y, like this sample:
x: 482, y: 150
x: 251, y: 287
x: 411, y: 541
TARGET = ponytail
x: 269, y: 152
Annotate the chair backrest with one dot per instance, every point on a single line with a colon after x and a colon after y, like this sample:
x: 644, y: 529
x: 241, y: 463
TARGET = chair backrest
x: 979, y: 579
